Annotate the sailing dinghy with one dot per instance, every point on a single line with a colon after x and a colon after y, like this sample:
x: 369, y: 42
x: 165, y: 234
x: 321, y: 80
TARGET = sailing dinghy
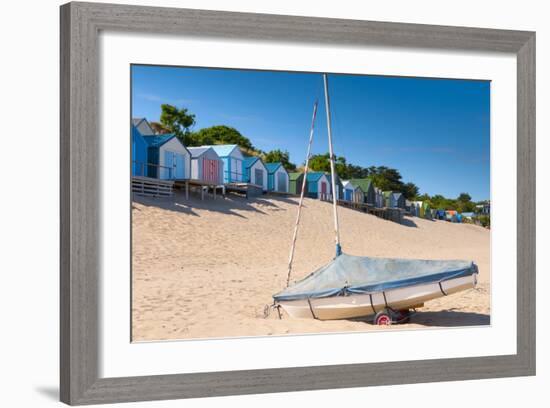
x: 355, y: 287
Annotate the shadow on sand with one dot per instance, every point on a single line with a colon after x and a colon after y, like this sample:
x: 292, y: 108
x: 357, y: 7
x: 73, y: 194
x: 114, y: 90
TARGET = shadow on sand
x: 228, y: 205
x: 451, y: 318
x: 407, y: 222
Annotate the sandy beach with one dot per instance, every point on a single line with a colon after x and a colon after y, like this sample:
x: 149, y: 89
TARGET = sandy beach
x: 207, y: 268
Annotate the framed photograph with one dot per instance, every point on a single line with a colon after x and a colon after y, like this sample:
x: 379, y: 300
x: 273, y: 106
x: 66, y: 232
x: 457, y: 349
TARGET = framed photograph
x: 261, y: 203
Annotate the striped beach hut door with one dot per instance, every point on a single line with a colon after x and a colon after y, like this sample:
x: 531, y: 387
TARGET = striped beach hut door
x: 210, y: 170
x: 323, y: 188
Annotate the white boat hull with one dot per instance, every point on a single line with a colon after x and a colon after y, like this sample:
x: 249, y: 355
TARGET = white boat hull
x: 354, y: 306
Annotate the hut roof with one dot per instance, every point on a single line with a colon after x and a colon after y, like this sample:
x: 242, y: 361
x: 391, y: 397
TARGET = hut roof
x: 158, y: 140
x: 387, y: 194
x: 137, y: 121
x: 198, y: 151
x: 224, y: 150
x: 273, y: 167
x: 336, y: 179
x: 294, y: 175
x: 364, y: 183
x: 315, y: 176
x: 249, y: 161
x: 349, y: 185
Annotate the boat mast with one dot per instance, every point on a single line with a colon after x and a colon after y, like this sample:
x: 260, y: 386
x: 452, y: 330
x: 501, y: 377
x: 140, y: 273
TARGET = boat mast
x: 332, y: 172
x: 304, y: 181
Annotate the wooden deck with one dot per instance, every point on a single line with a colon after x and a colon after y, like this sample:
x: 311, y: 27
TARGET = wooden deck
x: 246, y: 189
x: 387, y: 213
x: 202, y: 186
x: 152, y: 187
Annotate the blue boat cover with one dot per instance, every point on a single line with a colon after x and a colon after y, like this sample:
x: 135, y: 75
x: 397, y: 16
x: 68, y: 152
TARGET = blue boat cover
x: 347, y: 275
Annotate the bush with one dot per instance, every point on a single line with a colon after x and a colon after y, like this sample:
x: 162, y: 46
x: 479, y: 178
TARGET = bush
x: 485, y: 221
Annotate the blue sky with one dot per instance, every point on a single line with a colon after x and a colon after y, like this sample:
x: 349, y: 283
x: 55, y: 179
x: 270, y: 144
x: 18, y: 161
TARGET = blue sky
x: 436, y: 132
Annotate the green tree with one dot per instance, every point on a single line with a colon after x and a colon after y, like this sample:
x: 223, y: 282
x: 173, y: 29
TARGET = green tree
x: 410, y: 190
x: 159, y: 128
x: 321, y: 162
x: 220, y: 134
x: 279, y: 156
x: 386, y: 179
x: 177, y: 121
x: 464, y: 197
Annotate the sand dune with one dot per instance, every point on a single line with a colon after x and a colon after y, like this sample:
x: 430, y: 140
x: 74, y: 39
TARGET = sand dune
x: 207, y: 268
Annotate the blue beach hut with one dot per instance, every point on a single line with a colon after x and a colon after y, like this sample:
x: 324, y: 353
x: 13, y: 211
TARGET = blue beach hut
x: 317, y: 185
x: 232, y: 159
x: 353, y: 193
x: 139, y: 153
x: 255, y: 172
x: 167, y: 157
x: 277, y: 177
x: 140, y: 128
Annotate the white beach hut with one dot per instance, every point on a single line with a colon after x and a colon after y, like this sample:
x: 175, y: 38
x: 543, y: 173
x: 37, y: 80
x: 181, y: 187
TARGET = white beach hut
x: 277, y: 177
x: 255, y: 172
x: 168, y: 158
x: 206, y: 165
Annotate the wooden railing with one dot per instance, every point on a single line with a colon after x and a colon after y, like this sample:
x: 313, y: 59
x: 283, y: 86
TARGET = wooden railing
x: 151, y: 187
x: 142, y: 170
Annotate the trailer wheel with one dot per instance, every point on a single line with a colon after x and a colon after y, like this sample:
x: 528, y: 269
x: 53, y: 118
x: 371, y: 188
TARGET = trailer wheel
x: 383, y: 318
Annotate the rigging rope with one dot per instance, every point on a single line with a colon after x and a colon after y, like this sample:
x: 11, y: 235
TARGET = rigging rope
x: 304, y: 181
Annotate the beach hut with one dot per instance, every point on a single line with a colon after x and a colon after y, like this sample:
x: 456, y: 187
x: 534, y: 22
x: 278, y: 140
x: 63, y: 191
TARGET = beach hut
x: 439, y: 214
x: 317, y: 185
x: 349, y: 190
x: 416, y: 208
x: 143, y: 126
x: 337, y: 184
x: 388, y: 199
x: 277, y: 177
x: 296, y: 180
x: 426, y: 211
x: 379, y: 201
x: 206, y: 165
x: 167, y: 157
x: 232, y: 159
x: 139, y: 151
x: 353, y: 193
x: 484, y: 208
x: 394, y: 199
x: 255, y: 172
x: 368, y: 190
x: 399, y: 200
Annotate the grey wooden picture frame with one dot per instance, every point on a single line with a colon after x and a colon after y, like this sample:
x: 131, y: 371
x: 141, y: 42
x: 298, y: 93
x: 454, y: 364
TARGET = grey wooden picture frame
x: 81, y: 24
